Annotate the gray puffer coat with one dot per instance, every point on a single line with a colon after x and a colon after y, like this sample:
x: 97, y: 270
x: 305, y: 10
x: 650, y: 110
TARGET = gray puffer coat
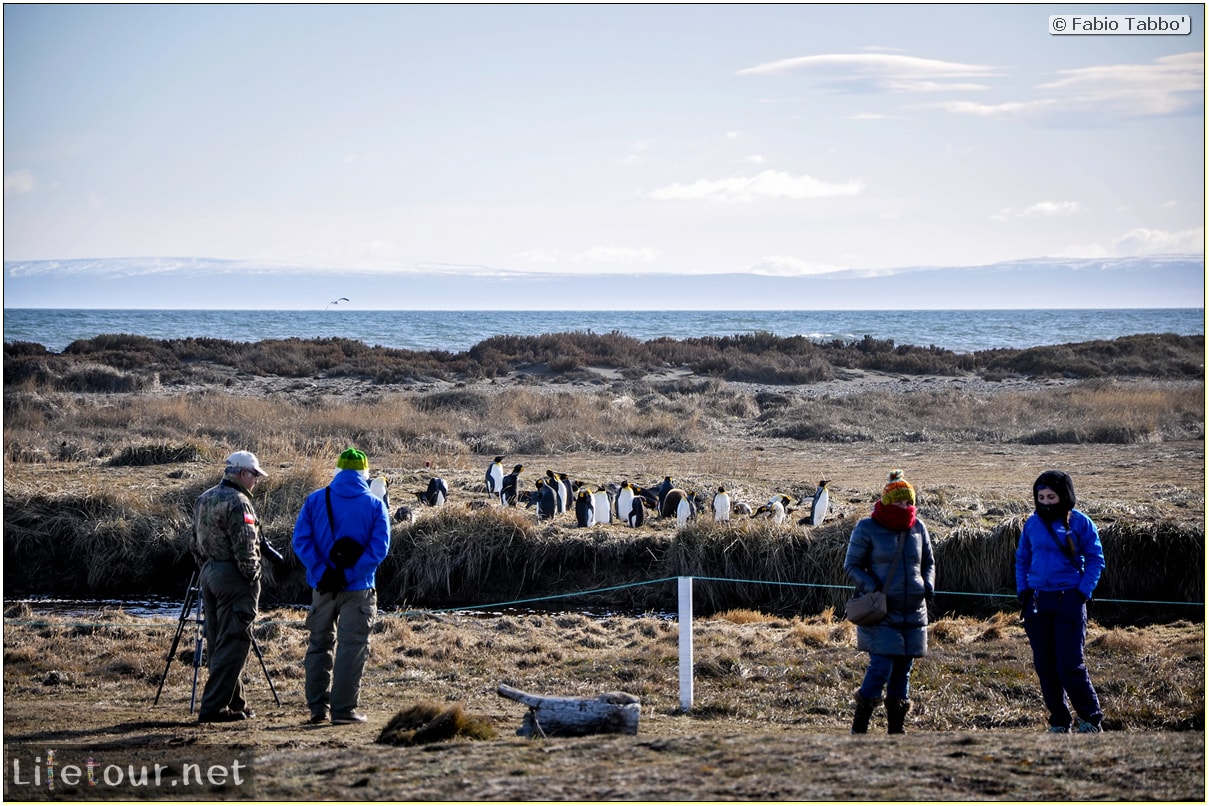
x: 871, y: 550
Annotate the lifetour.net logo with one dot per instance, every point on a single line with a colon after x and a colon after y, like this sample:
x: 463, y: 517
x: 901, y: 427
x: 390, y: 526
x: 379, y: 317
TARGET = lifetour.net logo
x: 64, y: 772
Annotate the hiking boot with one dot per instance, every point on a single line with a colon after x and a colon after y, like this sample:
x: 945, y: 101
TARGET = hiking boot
x: 1088, y: 727
x: 351, y: 718
x: 317, y: 719
x: 1058, y: 729
x: 864, y: 710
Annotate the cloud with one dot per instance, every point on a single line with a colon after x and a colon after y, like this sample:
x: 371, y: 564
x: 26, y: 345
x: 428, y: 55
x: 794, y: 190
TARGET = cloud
x: 886, y: 72
x: 1144, y: 241
x: 19, y: 182
x: 595, y: 254
x: 777, y: 266
x: 1000, y: 110
x: 764, y: 185
x: 1048, y: 208
x: 1040, y: 209
x: 1169, y: 84
x: 1141, y: 243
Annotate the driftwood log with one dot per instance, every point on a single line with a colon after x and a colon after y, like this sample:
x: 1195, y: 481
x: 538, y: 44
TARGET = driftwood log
x: 611, y: 712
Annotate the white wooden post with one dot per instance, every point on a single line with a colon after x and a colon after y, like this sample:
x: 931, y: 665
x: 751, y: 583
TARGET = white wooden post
x: 686, y: 643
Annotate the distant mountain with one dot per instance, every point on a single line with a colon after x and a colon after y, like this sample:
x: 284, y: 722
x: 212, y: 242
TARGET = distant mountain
x: 1164, y: 281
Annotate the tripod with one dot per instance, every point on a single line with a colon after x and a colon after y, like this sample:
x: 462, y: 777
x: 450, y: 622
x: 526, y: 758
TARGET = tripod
x: 192, y: 611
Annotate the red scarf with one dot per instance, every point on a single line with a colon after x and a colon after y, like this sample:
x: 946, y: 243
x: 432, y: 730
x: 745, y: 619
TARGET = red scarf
x: 894, y: 517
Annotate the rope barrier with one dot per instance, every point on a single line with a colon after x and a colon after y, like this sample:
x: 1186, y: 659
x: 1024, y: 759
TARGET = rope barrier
x: 531, y: 600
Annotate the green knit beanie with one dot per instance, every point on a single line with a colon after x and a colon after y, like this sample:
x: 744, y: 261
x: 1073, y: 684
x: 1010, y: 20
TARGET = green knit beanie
x: 352, y: 459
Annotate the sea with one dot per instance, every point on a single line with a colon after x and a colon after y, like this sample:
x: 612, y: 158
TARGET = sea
x: 962, y: 331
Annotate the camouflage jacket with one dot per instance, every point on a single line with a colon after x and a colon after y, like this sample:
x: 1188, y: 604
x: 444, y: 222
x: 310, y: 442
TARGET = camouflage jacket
x: 225, y: 528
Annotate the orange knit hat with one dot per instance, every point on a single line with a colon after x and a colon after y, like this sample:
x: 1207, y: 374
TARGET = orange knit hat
x: 897, y: 490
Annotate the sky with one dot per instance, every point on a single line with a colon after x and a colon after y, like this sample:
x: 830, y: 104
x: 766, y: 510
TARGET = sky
x: 576, y: 140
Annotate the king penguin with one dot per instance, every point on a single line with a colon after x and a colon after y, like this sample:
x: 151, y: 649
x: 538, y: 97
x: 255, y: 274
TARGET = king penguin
x: 721, y: 505
x: 436, y: 493
x: 637, y: 514
x: 668, y: 504
x: 547, y: 502
x: 560, y: 495
x: 602, y: 507
x: 665, y: 487
x: 818, y: 507
x: 495, y: 478
x: 779, y: 505
x: 508, y: 486
x: 568, y: 492
x: 585, y: 506
x: 625, y: 500
x: 381, y: 488
x: 684, y: 511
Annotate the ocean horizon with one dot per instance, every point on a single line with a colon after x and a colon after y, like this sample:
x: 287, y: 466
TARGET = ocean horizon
x: 962, y: 331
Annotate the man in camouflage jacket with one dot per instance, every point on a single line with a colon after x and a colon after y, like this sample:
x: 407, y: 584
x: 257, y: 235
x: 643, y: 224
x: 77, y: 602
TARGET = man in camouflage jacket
x: 226, y: 543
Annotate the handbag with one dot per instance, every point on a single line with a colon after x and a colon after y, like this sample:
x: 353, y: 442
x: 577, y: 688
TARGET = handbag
x: 867, y: 609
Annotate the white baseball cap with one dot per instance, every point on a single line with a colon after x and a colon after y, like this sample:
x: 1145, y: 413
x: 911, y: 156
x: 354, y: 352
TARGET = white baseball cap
x: 245, y: 460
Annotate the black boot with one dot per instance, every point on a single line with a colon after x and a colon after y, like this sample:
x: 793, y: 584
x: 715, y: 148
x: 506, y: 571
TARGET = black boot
x: 864, y: 710
x: 896, y: 714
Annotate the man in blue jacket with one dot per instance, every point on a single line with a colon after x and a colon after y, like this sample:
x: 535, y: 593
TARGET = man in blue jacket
x: 341, y: 536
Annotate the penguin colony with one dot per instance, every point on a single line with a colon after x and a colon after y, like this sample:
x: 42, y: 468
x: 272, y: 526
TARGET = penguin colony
x: 555, y: 493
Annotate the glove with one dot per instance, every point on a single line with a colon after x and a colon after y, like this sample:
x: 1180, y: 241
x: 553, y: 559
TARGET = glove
x: 1024, y: 596
x: 332, y: 582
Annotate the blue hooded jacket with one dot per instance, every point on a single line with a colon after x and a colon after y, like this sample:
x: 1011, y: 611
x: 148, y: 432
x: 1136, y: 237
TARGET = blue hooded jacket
x: 1041, y: 565
x: 357, y: 513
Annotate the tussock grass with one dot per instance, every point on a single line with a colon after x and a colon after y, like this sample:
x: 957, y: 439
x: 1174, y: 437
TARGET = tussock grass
x: 114, y: 542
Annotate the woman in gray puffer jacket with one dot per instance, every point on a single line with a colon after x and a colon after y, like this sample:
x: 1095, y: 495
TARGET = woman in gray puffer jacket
x: 902, y: 636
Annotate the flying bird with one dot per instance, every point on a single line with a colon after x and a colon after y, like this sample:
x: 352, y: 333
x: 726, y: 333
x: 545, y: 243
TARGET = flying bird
x: 337, y: 301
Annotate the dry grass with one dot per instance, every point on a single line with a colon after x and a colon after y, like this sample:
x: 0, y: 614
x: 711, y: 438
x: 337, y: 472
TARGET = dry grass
x: 437, y: 673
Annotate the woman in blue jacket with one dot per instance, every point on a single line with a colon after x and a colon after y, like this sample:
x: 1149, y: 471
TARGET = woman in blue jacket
x: 1058, y: 563
x: 891, y: 544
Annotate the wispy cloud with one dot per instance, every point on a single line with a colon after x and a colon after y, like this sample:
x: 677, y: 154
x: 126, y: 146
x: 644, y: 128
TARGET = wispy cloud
x: 887, y: 72
x: 1042, y: 209
x: 1144, y: 241
x: 1167, y: 85
x: 19, y: 182
x: 1049, y: 208
x: 764, y: 185
x: 1006, y: 109
x: 778, y: 266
